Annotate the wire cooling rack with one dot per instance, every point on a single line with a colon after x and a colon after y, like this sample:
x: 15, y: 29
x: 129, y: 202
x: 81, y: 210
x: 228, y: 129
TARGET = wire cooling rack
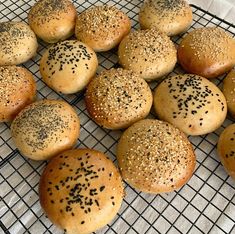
x: 206, y: 204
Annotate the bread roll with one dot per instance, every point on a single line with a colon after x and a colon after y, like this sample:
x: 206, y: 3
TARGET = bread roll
x: 53, y: 20
x: 117, y: 98
x: 81, y: 191
x: 171, y: 17
x: 150, y: 53
x: 208, y: 52
x: 155, y: 157
x: 45, y: 128
x: 18, y: 43
x: 190, y: 102
x: 102, y: 27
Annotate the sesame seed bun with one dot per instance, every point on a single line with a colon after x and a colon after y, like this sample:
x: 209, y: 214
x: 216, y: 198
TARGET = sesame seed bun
x: 229, y: 92
x: 226, y: 149
x: 53, y: 20
x: 68, y: 66
x: 190, y: 102
x: 171, y: 17
x: 150, y: 53
x: 18, y: 43
x: 102, y: 27
x: 81, y: 191
x: 17, y: 89
x: 155, y: 157
x: 208, y: 52
x: 117, y: 98
x: 45, y: 128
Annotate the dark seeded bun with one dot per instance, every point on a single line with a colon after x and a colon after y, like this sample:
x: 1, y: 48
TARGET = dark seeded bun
x: 53, y: 20
x: 117, y: 98
x: 208, y: 52
x: 190, y: 102
x: 171, y: 17
x: 18, y: 43
x: 102, y: 27
x: 45, y: 128
x: 81, y: 191
x: 68, y: 66
x: 226, y: 149
x: 155, y: 157
x: 150, y: 53
x: 17, y: 89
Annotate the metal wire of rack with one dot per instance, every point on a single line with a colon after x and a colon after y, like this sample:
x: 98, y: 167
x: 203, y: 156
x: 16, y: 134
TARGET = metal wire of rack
x: 206, y: 204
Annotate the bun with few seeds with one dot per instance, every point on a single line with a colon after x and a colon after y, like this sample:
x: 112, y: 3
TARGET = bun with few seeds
x: 190, y: 102
x: 81, y: 191
x: 150, y: 53
x: 155, y: 157
x: 53, y: 20
x: 102, y: 27
x: 18, y: 43
x: 171, y: 17
x: 45, y: 128
x: 117, y: 98
x: 208, y: 52
x: 226, y: 149
x: 68, y: 66
x: 17, y: 90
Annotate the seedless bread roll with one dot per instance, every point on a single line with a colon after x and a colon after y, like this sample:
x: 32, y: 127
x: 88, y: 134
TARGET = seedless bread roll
x: 190, y: 102
x: 226, y: 149
x: 150, y: 53
x: 208, y: 52
x: 18, y: 43
x: 53, y: 20
x: 17, y: 89
x: 81, y: 191
x: 45, y: 128
x: 171, y: 17
x: 155, y: 157
x: 117, y: 98
x: 102, y: 27
x: 68, y: 66
x: 229, y: 92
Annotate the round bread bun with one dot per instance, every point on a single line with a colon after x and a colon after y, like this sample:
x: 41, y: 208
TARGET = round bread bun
x: 117, y: 98
x: 102, y: 27
x: 81, y: 191
x: 18, y: 43
x: 190, y: 102
x: 17, y: 90
x: 208, y: 52
x: 229, y: 91
x: 226, y: 149
x: 45, y: 128
x: 53, y: 20
x: 150, y: 53
x: 155, y: 157
x: 68, y: 66
x: 171, y: 17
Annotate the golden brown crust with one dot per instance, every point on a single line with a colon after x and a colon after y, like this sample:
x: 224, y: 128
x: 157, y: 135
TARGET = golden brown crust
x: 226, y: 149
x: 150, y: 53
x: 208, y: 52
x: 117, y: 98
x: 18, y: 43
x: 81, y: 191
x: 53, y: 20
x: 171, y: 17
x: 190, y: 102
x: 17, y: 90
x: 68, y: 66
x: 102, y: 27
x: 45, y: 128
x: 155, y: 157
